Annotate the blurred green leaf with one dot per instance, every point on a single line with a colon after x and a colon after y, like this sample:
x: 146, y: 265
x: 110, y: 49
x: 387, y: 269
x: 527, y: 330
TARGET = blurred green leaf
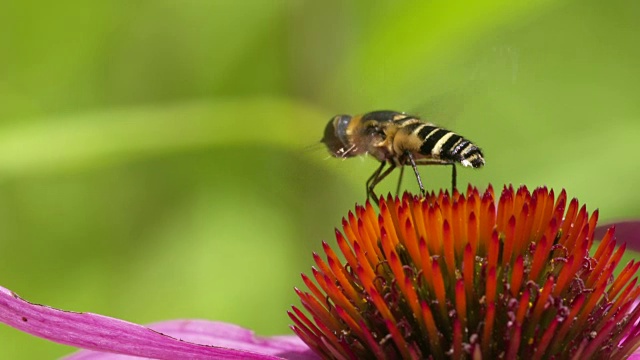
x: 96, y: 139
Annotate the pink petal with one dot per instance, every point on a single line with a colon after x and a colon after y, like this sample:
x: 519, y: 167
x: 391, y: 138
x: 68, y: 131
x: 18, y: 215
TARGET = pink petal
x: 104, y: 334
x: 626, y: 232
x: 218, y: 334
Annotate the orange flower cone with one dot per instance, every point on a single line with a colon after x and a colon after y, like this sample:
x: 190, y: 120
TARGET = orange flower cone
x: 471, y: 276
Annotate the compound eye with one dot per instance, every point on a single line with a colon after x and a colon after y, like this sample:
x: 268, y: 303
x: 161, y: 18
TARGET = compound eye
x: 341, y: 124
x: 335, y: 134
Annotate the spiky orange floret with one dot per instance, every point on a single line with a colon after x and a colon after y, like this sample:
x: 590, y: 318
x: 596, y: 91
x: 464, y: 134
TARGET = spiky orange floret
x: 468, y: 276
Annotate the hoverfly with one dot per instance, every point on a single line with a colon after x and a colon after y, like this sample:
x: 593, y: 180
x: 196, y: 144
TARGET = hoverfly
x: 398, y: 139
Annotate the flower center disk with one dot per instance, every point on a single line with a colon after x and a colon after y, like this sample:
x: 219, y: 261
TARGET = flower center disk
x: 471, y: 276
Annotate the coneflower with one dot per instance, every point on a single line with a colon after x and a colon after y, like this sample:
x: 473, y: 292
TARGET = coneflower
x: 466, y: 276
x: 441, y: 277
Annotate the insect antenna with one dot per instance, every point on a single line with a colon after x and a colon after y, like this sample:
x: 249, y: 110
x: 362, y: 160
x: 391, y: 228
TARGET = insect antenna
x: 313, y: 147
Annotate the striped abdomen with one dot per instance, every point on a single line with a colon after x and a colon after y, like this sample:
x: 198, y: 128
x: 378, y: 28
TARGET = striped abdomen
x: 448, y: 146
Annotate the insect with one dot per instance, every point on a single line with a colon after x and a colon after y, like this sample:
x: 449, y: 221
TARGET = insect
x: 398, y: 139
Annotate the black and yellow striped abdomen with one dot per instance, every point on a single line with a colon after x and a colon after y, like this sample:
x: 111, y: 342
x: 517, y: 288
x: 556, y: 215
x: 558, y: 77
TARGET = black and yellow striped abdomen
x: 445, y: 145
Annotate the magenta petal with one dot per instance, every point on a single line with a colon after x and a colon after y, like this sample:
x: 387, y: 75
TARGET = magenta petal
x: 626, y: 232
x: 104, y: 334
x: 219, y: 334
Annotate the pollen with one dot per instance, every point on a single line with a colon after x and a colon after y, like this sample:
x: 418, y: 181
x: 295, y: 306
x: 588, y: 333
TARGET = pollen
x: 469, y: 275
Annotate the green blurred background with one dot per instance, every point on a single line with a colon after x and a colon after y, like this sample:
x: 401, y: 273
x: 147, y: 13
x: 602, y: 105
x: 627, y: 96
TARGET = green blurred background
x: 159, y: 159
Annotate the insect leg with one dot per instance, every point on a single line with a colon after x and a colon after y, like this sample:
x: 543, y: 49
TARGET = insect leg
x: 370, y: 180
x: 375, y: 179
x: 454, y: 176
x: 415, y: 170
x: 400, y: 180
x: 454, y: 172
